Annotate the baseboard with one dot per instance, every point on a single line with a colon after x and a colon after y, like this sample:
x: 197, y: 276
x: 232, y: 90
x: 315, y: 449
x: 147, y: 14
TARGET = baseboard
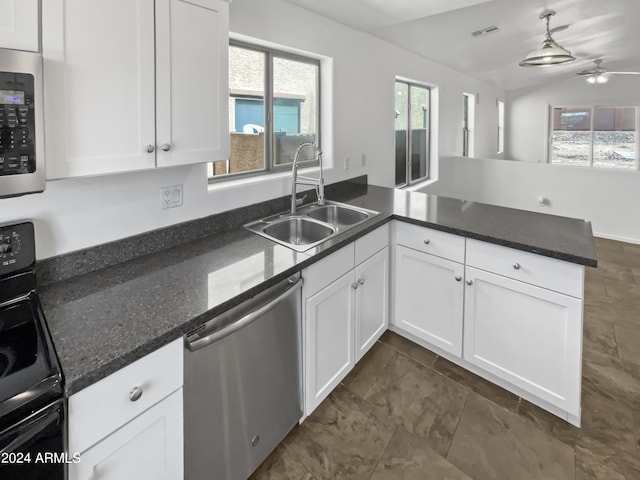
x: 617, y: 238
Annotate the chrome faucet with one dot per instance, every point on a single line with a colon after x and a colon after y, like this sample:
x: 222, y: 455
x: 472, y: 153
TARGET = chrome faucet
x: 296, y: 179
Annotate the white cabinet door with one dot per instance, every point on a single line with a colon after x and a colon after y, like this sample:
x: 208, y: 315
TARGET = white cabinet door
x: 149, y: 447
x: 99, y: 86
x: 131, y: 85
x: 19, y: 25
x: 192, y: 81
x: 329, y: 339
x: 372, y: 301
x: 429, y: 298
x: 527, y: 335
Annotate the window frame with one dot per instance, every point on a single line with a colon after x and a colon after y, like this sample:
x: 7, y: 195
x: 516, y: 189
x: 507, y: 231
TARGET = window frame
x: 500, y: 109
x: 269, y: 159
x: 468, y: 124
x: 592, y: 109
x: 408, y: 142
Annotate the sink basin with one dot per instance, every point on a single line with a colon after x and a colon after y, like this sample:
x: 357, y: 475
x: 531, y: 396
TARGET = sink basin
x: 310, y: 225
x: 298, y: 231
x: 337, y: 214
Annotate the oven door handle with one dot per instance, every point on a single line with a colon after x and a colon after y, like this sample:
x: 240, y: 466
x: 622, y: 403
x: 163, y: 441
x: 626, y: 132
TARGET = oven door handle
x: 37, y: 423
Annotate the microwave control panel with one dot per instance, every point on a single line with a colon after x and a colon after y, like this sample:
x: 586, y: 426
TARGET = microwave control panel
x: 17, y: 124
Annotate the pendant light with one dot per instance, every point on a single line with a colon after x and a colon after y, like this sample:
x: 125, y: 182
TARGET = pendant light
x: 550, y: 53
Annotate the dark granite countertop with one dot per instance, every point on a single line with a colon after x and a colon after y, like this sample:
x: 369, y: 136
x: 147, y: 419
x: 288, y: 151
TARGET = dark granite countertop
x: 104, y: 320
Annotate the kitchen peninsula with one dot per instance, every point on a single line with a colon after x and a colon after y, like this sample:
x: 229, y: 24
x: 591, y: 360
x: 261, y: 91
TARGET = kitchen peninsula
x: 105, y: 313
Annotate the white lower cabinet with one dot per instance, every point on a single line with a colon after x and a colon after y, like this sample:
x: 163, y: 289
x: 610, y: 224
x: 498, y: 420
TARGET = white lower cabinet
x: 529, y: 336
x: 372, y: 301
x: 346, y: 310
x: 129, y: 425
x: 429, y: 298
x: 514, y: 317
x: 149, y: 447
x: 329, y: 333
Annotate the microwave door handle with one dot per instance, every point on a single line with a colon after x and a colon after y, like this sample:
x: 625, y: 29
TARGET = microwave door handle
x: 194, y: 345
x: 34, y: 428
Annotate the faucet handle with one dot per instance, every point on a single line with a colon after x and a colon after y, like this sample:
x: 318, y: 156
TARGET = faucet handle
x: 300, y: 200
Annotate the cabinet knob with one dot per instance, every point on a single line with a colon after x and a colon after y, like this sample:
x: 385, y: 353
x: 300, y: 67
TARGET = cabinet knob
x: 361, y: 281
x: 427, y: 241
x: 135, y: 394
x: 149, y: 148
x: 354, y: 285
x: 469, y: 282
x: 458, y: 278
x: 165, y: 147
x: 516, y: 266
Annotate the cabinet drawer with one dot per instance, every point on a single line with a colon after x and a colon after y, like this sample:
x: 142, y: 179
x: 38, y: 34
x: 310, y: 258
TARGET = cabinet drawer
x: 325, y: 271
x: 371, y: 243
x: 544, y: 272
x: 103, y: 407
x: 435, y: 242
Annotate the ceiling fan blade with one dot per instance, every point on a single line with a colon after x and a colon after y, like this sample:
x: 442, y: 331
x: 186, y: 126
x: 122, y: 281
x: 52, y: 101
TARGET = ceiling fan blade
x: 623, y: 73
x: 588, y: 72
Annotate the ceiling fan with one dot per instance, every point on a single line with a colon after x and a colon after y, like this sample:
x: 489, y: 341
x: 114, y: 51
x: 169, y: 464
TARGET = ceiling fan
x: 599, y: 74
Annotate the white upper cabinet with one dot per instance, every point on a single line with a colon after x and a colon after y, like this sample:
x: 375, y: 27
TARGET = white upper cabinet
x: 192, y: 71
x: 99, y: 86
x: 19, y: 25
x: 131, y: 85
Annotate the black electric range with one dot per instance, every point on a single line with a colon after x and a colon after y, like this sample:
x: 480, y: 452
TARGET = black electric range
x: 32, y: 410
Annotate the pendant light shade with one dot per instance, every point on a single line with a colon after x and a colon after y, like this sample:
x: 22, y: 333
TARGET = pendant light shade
x: 550, y: 53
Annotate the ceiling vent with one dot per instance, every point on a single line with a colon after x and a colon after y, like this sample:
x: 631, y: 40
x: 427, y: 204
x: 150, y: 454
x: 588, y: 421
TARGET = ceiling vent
x: 484, y: 31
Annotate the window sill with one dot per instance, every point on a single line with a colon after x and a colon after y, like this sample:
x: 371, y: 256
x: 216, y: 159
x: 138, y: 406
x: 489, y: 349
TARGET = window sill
x: 420, y: 185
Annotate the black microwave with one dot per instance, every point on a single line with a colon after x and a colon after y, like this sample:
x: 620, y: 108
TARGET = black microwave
x: 21, y: 123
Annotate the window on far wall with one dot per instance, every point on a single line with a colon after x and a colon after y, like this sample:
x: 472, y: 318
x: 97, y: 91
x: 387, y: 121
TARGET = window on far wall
x: 413, y: 131
x: 500, y: 147
x: 598, y: 136
x: 273, y: 108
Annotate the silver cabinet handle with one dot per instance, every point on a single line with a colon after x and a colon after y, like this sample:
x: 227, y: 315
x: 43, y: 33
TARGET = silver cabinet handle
x: 469, y: 282
x: 427, y: 241
x: 149, y: 148
x: 135, y: 394
x: 361, y: 281
x: 165, y: 147
x: 458, y: 278
x: 516, y: 266
x: 354, y: 285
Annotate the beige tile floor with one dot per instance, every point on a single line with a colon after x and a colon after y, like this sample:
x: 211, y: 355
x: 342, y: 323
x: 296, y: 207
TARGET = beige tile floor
x: 404, y: 413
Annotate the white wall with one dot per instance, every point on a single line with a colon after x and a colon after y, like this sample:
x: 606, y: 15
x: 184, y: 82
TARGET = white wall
x: 358, y: 103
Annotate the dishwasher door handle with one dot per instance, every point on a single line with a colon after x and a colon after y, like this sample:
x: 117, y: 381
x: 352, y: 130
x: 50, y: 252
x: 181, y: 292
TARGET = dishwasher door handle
x: 199, y: 343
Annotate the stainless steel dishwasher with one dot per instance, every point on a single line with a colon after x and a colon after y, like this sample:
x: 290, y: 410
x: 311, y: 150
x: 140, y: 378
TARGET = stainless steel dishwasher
x: 243, y: 384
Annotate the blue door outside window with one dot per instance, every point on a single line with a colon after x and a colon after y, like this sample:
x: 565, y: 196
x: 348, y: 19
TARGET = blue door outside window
x: 249, y: 110
x: 286, y: 114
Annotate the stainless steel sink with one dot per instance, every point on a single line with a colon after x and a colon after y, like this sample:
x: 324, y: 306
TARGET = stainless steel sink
x: 337, y: 214
x: 310, y: 225
x: 298, y: 231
